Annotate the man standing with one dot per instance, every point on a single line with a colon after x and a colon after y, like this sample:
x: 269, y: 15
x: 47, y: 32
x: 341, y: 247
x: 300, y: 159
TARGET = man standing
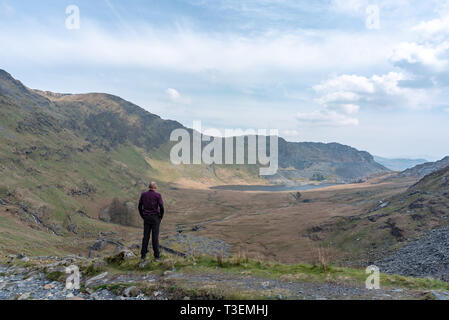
x: 151, y: 209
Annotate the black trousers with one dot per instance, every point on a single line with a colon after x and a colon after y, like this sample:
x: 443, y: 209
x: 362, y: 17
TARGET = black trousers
x: 151, y: 226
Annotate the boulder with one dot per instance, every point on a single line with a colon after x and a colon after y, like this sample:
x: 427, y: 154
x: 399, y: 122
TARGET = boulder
x: 131, y: 292
x: 98, y: 245
x: 122, y: 256
x: 440, y: 295
x: 96, y: 278
x: 24, y: 296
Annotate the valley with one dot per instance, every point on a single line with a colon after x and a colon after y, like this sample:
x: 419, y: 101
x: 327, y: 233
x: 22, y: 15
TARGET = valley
x: 72, y: 168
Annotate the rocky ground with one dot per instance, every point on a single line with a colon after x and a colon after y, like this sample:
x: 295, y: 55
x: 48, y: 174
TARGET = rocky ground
x: 425, y: 257
x: 23, y: 284
x: 27, y: 278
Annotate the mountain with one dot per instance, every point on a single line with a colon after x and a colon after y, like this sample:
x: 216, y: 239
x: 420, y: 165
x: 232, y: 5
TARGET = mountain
x: 324, y: 161
x: 65, y: 157
x: 395, y: 221
x: 398, y: 164
x: 427, y: 202
x: 424, y: 169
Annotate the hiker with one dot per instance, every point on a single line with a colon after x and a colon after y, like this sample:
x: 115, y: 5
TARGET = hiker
x: 151, y: 209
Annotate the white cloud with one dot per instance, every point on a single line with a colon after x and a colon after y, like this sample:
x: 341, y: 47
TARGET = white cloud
x: 427, y: 54
x: 349, y: 6
x: 339, y: 97
x: 173, y: 93
x: 348, y: 93
x: 350, y: 108
x: 346, y: 83
x: 426, y: 59
x: 434, y: 26
x: 176, y: 97
x: 290, y: 133
x: 345, y: 95
x: 325, y: 118
x: 358, y: 7
x: 193, y: 51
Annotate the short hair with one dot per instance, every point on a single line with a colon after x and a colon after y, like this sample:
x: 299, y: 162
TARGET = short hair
x: 152, y: 185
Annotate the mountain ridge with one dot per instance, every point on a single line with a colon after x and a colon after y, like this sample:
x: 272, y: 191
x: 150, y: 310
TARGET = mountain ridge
x: 109, y: 119
x: 399, y: 164
x: 424, y: 169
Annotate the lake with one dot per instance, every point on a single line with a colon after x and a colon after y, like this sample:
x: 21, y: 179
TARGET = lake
x: 270, y: 188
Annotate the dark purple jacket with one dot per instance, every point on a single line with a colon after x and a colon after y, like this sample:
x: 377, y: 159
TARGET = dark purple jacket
x: 151, y: 203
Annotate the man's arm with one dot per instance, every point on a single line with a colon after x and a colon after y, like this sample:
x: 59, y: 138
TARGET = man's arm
x: 161, y: 208
x: 140, y: 207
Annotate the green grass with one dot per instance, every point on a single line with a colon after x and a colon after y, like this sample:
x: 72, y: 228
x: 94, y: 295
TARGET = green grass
x: 288, y: 272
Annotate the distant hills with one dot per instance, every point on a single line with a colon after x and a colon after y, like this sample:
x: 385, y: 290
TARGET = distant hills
x: 399, y: 164
x: 424, y: 169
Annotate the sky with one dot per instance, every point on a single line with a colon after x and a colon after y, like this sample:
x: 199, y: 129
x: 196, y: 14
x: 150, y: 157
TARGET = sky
x: 372, y: 74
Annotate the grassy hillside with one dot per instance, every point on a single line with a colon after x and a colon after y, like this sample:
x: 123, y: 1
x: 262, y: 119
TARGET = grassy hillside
x: 393, y: 221
x: 65, y: 157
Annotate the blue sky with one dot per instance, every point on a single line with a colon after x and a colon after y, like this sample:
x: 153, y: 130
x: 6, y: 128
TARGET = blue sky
x: 315, y: 70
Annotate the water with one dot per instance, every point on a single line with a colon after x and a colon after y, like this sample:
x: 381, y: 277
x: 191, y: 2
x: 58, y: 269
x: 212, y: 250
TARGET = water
x: 271, y: 188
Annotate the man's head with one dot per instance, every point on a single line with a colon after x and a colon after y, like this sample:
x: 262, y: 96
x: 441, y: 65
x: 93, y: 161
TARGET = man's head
x: 153, y: 185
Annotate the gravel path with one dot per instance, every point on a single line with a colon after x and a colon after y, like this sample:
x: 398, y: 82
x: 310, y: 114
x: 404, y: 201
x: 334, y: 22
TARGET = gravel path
x: 293, y: 290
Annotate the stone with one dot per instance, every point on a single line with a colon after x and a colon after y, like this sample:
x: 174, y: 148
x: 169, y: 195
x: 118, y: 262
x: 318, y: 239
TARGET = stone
x: 98, y: 245
x: 440, y: 295
x: 96, y: 278
x: 21, y: 256
x: 49, y: 286
x: 123, y: 255
x: 24, y: 296
x: 143, y: 264
x: 75, y: 299
x: 157, y: 293
x: 128, y: 254
x: 131, y: 292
